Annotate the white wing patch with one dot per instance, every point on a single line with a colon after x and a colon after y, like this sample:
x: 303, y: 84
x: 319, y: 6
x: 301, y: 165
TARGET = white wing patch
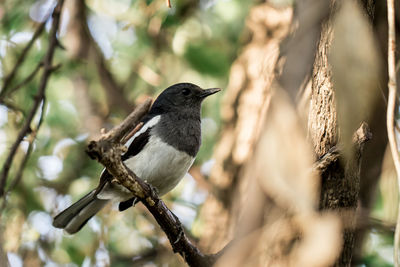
x: 148, y: 125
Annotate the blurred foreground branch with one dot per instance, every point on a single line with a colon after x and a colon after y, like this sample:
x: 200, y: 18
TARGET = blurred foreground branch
x: 244, y: 107
x: 390, y: 112
x: 39, y: 99
x: 107, y: 150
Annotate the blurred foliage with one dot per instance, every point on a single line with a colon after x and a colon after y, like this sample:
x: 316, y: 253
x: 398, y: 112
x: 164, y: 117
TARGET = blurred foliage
x: 207, y: 60
x: 146, y: 47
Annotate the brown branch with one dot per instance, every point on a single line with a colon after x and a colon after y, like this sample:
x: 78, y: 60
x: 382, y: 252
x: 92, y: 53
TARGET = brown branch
x: 47, y: 70
x: 390, y: 113
x: 116, y: 98
x: 115, y: 95
x: 326, y: 160
x: 168, y: 3
x: 132, y: 133
x: 27, y: 79
x: 23, y: 83
x: 118, y: 132
x: 21, y: 168
x: 108, y: 151
x: 11, y: 106
x: 361, y: 135
x: 20, y: 60
x: 32, y: 138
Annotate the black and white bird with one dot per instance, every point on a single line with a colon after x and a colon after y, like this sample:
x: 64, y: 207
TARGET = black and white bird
x: 160, y: 153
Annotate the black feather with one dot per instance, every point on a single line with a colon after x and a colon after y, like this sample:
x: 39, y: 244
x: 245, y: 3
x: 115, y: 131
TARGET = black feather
x: 134, y: 148
x: 137, y: 145
x: 124, y: 205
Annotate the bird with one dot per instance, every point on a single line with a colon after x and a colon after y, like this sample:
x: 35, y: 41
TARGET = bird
x: 160, y: 153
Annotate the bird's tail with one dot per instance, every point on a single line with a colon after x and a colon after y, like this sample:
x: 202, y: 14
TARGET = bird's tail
x: 73, y: 218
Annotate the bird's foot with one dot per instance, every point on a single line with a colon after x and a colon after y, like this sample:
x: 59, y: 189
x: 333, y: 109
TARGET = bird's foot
x: 154, y: 191
x: 179, y: 227
x: 180, y: 234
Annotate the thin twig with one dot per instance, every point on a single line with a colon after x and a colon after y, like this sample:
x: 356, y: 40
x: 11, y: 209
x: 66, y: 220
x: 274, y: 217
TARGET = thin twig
x: 115, y: 92
x: 21, y: 58
x: 132, y: 133
x: 390, y: 112
x: 168, y: 3
x: 32, y: 138
x: 118, y: 132
x: 48, y: 69
x: 11, y: 106
x: 21, y: 168
x: 27, y: 79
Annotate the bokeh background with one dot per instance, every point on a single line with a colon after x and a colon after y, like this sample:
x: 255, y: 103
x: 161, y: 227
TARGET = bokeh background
x: 116, y: 54
x: 113, y: 54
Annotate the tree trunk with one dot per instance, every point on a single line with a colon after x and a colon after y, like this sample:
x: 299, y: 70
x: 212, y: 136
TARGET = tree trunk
x: 244, y: 108
x: 340, y: 181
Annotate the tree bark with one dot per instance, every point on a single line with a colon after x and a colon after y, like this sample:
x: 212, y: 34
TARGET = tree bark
x: 244, y: 108
x: 340, y: 181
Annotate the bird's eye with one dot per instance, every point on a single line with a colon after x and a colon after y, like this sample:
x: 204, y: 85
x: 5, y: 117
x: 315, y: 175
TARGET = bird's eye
x: 185, y: 91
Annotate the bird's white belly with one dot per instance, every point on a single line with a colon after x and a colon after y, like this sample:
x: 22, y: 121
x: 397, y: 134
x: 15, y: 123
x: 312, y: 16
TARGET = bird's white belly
x: 159, y: 164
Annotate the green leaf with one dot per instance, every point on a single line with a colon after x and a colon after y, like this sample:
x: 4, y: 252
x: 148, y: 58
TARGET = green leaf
x: 207, y: 59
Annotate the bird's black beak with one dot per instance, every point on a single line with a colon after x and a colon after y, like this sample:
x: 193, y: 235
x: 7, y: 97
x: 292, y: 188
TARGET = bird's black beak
x: 210, y: 91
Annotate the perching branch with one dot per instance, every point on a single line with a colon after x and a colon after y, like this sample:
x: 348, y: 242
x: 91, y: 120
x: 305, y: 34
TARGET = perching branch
x: 39, y: 98
x: 390, y: 113
x: 108, y: 152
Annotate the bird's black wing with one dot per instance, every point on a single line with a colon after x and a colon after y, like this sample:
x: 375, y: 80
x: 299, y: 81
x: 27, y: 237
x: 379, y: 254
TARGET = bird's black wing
x: 137, y: 144
x: 140, y: 140
x: 134, y: 148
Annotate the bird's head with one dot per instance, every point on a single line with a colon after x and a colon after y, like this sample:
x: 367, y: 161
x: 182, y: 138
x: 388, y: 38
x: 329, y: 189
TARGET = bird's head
x: 182, y: 96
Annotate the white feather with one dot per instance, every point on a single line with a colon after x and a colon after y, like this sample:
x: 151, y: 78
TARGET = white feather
x: 144, y: 128
x: 154, y: 164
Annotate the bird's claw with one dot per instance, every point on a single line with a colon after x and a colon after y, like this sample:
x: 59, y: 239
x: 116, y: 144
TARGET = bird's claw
x: 180, y: 234
x: 153, y: 191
